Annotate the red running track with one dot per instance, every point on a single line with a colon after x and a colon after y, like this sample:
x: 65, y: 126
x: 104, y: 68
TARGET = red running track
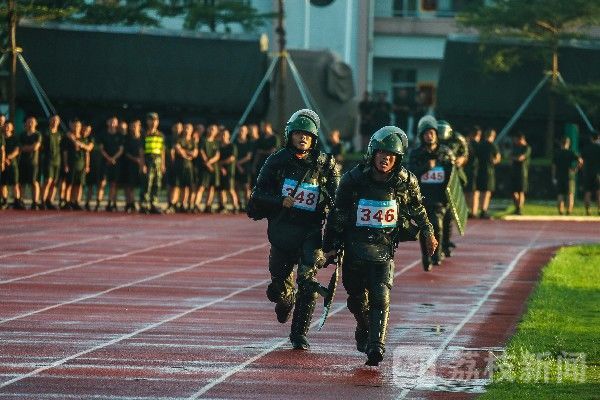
x: 106, y: 306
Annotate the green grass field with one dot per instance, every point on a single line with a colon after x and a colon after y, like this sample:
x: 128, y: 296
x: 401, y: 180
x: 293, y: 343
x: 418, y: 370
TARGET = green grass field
x: 539, y: 207
x: 555, y: 353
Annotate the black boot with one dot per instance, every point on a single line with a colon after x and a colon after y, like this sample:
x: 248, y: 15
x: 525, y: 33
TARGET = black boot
x: 378, y: 319
x: 284, y: 302
x: 305, y: 306
x: 359, y: 307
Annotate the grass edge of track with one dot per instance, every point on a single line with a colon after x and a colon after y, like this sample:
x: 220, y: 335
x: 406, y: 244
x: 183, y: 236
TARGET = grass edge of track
x: 560, y: 324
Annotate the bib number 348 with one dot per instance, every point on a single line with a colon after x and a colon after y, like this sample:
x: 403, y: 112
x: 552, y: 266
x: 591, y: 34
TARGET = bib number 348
x: 307, y: 195
x: 377, y: 213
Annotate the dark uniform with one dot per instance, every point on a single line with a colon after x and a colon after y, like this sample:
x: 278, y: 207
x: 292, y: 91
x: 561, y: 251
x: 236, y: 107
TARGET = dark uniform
x: 76, y: 162
x: 132, y: 175
x: 471, y: 166
x: 111, y: 144
x: 433, y: 182
x: 591, y: 167
x: 184, y: 169
x: 96, y: 173
x: 10, y: 176
x: 228, y: 179
x: 263, y: 144
x: 206, y: 177
x: 51, y: 153
x: 29, y: 161
x: 519, y: 170
x: 367, y: 222
x: 295, y: 233
x: 243, y: 149
x: 565, y: 162
x: 486, y: 172
x: 459, y: 147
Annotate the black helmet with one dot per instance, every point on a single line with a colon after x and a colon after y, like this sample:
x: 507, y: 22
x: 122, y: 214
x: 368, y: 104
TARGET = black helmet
x: 304, y: 120
x: 425, y: 123
x: 388, y: 138
x: 444, y: 129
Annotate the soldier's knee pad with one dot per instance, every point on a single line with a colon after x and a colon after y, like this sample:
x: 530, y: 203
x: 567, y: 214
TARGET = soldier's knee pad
x: 379, y: 296
x: 276, y: 291
x: 357, y: 304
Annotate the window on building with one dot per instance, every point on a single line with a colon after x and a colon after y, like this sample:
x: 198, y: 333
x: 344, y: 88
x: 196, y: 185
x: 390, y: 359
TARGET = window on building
x: 441, y: 8
x: 404, y: 86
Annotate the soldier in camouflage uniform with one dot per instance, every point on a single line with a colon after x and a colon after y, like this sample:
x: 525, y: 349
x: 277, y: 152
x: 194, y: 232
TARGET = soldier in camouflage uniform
x: 459, y: 146
x: 373, y: 204
x: 432, y: 163
x: 298, y: 183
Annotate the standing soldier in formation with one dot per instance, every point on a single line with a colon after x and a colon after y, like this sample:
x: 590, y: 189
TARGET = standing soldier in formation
x: 186, y: 150
x: 133, y: 164
x: 243, y: 173
x: 564, y: 168
x: 591, y: 172
x: 10, y: 175
x: 51, y: 161
x: 227, y: 163
x: 432, y: 163
x: 471, y: 166
x: 111, y: 148
x: 31, y: 142
x: 488, y: 157
x: 95, y: 176
x: 459, y: 147
x: 373, y: 206
x: 170, y: 156
x: 208, y: 158
x: 519, y: 171
x: 296, y: 186
x: 75, y: 163
x: 154, y: 163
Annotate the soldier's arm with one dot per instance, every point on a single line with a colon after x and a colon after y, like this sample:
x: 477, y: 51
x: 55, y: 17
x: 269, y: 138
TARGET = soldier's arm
x: 119, y: 152
x: 415, y: 207
x: 267, y: 187
x: 462, y: 154
x: 338, y: 216
x: 333, y: 177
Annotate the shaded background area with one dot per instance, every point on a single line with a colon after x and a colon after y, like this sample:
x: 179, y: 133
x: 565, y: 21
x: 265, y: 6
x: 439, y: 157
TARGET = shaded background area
x: 468, y: 95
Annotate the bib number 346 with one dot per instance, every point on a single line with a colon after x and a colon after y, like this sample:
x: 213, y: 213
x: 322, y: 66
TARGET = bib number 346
x: 377, y: 214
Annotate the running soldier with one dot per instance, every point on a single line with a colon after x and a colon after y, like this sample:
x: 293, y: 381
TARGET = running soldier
x: 51, y: 140
x: 432, y: 163
x: 154, y: 163
x: 296, y: 186
x: 373, y: 205
x: 31, y: 142
x: 10, y: 175
x: 458, y: 144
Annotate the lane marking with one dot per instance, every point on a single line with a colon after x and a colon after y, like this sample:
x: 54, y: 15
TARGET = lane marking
x: 59, y: 245
x: 442, y: 347
x: 136, y: 282
x: 147, y: 327
x: 99, y: 260
x: 239, y: 367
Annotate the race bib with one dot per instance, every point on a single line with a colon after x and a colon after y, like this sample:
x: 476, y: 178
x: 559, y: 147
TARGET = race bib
x: 435, y: 175
x: 377, y: 213
x: 306, y: 197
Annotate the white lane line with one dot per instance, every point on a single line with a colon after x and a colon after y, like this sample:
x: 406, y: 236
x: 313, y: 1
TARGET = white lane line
x: 442, y: 347
x: 99, y: 260
x: 151, y: 326
x: 239, y: 367
x: 133, y: 283
x: 56, y: 246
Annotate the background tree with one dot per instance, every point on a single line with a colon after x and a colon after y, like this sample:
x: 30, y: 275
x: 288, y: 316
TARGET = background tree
x: 545, y: 24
